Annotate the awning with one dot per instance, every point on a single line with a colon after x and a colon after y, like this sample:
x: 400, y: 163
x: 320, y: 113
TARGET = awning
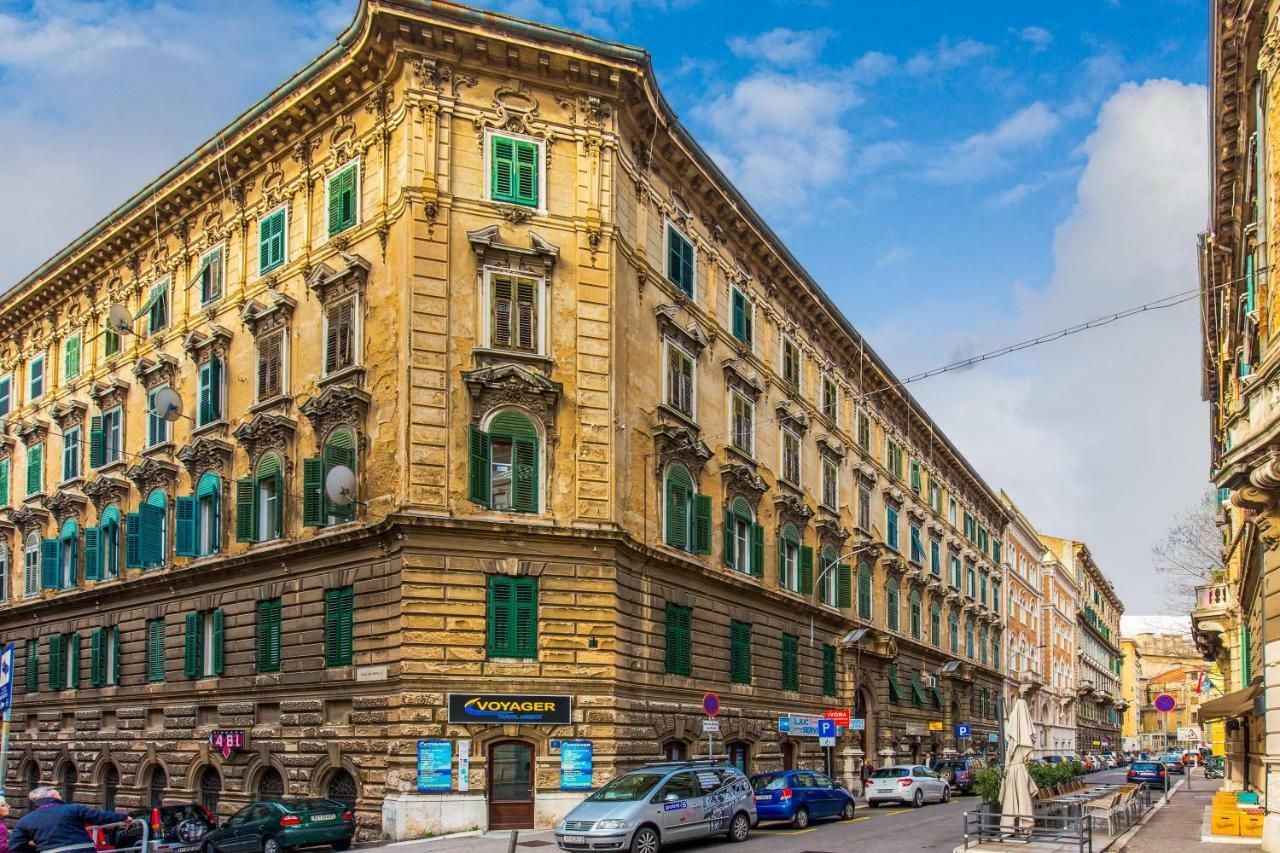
x: 1232, y: 705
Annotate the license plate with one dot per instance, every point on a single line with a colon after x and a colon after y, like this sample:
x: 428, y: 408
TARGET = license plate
x: 317, y: 818
x: 575, y: 839
x: 762, y: 798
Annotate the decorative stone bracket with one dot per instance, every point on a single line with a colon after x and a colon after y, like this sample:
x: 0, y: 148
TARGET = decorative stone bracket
x: 109, y: 393
x: 831, y: 531
x: 513, y: 384
x: 199, y: 344
x: 679, y: 443
x: 105, y: 490
x: 69, y: 413
x: 163, y: 370
x: 265, y: 432
x: 329, y: 284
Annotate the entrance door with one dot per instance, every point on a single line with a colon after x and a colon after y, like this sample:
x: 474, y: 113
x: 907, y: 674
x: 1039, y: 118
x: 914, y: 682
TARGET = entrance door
x: 510, y: 785
x: 788, y: 756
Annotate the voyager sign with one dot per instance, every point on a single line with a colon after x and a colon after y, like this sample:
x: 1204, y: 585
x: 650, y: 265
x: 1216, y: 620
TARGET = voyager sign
x: 509, y: 708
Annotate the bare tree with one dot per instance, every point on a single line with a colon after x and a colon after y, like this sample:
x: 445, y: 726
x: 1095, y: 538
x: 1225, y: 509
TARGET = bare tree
x: 1190, y: 554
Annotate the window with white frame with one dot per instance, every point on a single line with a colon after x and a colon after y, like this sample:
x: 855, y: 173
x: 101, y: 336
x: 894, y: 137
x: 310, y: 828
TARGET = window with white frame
x: 342, y: 198
x: 156, y: 307
x: 680, y: 378
x: 830, y: 398
x: 789, y: 559
x: 112, y: 435
x: 271, y: 366
x: 71, y: 453
x: 515, y: 313
x: 35, y: 378
x: 341, y: 335
x: 790, y: 456
x: 5, y: 569
x: 6, y: 396
x: 744, y: 419
x: 212, y: 271
x: 31, y: 566
x: 681, y: 260
x: 71, y: 357
x: 864, y: 508
x: 157, y: 426
x: 790, y: 363
x: 272, y: 240
x: 516, y: 166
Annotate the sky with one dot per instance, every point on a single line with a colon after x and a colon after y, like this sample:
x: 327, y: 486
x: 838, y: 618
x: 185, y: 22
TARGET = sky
x: 957, y: 176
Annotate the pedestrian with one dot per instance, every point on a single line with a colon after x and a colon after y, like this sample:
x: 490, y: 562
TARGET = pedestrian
x: 53, y: 826
x: 4, y: 828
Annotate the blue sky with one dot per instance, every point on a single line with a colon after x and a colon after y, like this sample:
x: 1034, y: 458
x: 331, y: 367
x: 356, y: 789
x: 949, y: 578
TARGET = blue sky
x: 958, y: 175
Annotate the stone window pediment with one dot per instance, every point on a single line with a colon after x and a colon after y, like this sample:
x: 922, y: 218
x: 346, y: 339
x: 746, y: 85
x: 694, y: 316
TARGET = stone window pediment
x: 33, y: 431
x: 740, y: 376
x: 916, y: 512
x: 330, y: 285
x: 64, y: 504
x: 274, y: 315
x: 69, y: 413
x: 677, y: 443
x: 831, y: 447
x: 28, y: 518
x: 336, y: 406
x: 157, y: 372
x: 866, y: 472
x: 200, y: 344
x: 109, y: 393
x: 105, y: 489
x: 206, y: 454
x: 792, y: 417
x: 690, y: 338
x: 792, y: 509
x: 501, y: 385
x: 831, y: 531
x: 152, y: 473
x: 538, y: 260
x: 894, y: 495
x: 6, y: 446
x: 739, y: 478
x: 266, y: 431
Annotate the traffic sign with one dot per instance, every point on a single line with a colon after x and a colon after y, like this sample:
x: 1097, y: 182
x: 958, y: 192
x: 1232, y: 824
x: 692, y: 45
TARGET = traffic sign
x: 962, y: 730
x: 827, y: 741
x: 841, y: 718
x: 711, y: 704
x: 710, y: 725
x: 827, y: 729
x: 1165, y: 703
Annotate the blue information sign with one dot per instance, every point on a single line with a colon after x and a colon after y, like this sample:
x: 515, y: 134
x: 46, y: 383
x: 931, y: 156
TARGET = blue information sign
x: 6, y: 678
x: 575, y: 765
x: 826, y: 728
x: 435, y: 765
x: 962, y: 730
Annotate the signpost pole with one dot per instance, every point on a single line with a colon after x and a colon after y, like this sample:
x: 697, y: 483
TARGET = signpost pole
x: 6, y: 703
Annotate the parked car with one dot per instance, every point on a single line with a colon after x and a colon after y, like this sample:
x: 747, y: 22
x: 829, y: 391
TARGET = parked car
x: 174, y: 829
x: 1110, y: 760
x: 1053, y: 759
x: 1090, y: 764
x: 1149, y: 773
x: 960, y: 773
x: 1174, y: 765
x: 273, y: 826
x: 909, y: 784
x: 660, y: 804
x: 800, y: 796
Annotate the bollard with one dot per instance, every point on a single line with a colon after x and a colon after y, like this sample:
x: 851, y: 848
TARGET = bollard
x: 511, y: 844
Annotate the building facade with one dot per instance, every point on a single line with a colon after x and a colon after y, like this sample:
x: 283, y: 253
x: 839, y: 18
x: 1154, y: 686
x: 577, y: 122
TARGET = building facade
x: 535, y: 405
x: 1168, y: 663
x: 1058, y: 701
x: 1027, y: 642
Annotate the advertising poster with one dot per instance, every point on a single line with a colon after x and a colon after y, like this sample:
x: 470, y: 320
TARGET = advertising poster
x: 435, y: 765
x: 575, y: 765
x: 464, y: 765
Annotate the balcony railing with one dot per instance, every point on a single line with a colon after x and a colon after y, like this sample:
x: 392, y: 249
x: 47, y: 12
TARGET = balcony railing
x: 1218, y: 596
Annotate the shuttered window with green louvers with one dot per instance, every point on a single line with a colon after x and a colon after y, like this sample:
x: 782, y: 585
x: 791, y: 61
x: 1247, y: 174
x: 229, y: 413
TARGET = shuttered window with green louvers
x: 742, y: 317
x: 339, y: 625
x: 681, y: 260
x: 892, y: 604
x: 828, y: 670
x: 740, y: 652
x: 790, y: 662
x: 864, y: 592
x: 4, y: 482
x: 271, y: 251
x: 33, y: 666
x: 71, y: 358
x: 210, y: 392
x: 514, y: 170
x: 503, y: 472
x: 512, y: 620
x: 203, y: 633
x: 155, y: 650
x: 687, y: 520
x: 268, y: 638
x: 895, y: 689
x: 35, y: 468
x: 679, y: 640
x: 342, y: 210
x: 260, y: 502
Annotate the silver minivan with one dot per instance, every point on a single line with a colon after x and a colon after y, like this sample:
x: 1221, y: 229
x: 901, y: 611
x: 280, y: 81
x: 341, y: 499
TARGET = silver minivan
x: 662, y: 803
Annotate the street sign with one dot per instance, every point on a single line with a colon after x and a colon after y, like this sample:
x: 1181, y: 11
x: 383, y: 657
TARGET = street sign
x: 709, y: 725
x: 935, y: 725
x: 827, y: 741
x: 962, y: 730
x: 827, y: 729
x: 711, y: 704
x: 1165, y: 703
x: 798, y: 725
x: 1184, y: 733
x: 857, y: 724
x: 841, y: 718
x: 6, y: 678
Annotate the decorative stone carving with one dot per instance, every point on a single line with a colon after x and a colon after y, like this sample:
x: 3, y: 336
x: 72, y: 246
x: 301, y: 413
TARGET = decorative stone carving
x: 894, y: 563
x: 830, y: 446
x: 329, y: 285
x: 28, y: 519
x: 6, y: 445
x: 867, y: 472
x: 435, y: 76
x: 64, y: 504
x: 335, y: 406
x: 894, y: 495
x: 830, y: 530
x: 513, y: 384
x: 109, y: 393
x: 791, y: 508
x: 539, y: 259
x: 154, y: 373
x: 513, y: 111
x: 916, y: 512
x: 152, y: 473
x: 690, y: 338
x: 740, y: 375
x: 792, y: 416
x: 265, y: 432
x: 69, y: 413
x: 742, y: 480
x: 593, y: 111
x: 33, y: 431
x: 206, y: 454
x: 679, y: 443
x: 198, y: 344
x: 105, y: 490
x: 275, y: 314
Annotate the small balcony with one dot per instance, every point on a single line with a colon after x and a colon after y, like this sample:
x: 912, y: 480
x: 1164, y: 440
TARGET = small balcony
x: 1213, y: 599
x: 1214, y: 615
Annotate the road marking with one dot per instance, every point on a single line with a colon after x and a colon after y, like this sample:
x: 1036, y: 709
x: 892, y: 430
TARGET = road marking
x: 900, y: 811
x: 857, y: 819
x: 788, y: 830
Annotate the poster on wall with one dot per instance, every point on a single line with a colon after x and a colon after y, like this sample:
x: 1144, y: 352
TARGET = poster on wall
x: 435, y: 765
x: 464, y: 765
x: 575, y: 765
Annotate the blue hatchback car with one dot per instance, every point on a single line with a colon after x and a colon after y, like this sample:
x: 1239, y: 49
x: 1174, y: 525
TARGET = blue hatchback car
x: 800, y: 796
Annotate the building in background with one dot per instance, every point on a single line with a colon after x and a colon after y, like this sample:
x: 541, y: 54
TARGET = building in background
x: 1026, y: 636
x: 1058, y: 700
x: 1168, y: 663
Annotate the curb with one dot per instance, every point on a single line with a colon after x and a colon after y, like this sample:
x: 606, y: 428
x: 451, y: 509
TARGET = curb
x: 1129, y: 833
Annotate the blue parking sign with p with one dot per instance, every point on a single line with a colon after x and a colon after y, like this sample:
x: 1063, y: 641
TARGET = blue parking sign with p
x: 826, y: 728
x: 962, y: 730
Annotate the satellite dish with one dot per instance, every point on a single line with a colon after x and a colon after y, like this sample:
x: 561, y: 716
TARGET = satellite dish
x: 119, y: 320
x: 340, y: 485
x: 167, y: 404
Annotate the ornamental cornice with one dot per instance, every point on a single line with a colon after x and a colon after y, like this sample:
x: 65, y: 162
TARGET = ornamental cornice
x: 538, y: 260
x: 515, y: 110
x: 690, y: 338
x: 69, y: 413
x: 832, y: 447
x: 33, y: 431
x: 498, y: 385
x: 679, y: 443
x: 264, y: 432
x: 109, y: 393
x: 206, y: 454
x: 156, y: 372
x: 792, y: 417
x: 199, y: 343
x: 152, y: 473
x: 105, y: 490
x: 741, y: 479
x: 329, y: 285
x: 28, y: 519
x: 64, y: 504
x: 740, y: 375
x: 273, y: 314
x: 336, y: 406
x: 791, y: 508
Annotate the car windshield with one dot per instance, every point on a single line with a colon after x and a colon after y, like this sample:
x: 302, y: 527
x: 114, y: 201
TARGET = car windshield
x: 951, y: 765
x: 891, y: 773
x: 1146, y: 766
x: 626, y: 789
x: 769, y: 783
x: 311, y: 805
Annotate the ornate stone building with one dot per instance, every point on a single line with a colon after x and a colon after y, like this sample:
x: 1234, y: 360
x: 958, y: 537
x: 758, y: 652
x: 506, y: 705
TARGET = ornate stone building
x: 1058, y: 702
x: 1026, y: 638
x: 490, y: 383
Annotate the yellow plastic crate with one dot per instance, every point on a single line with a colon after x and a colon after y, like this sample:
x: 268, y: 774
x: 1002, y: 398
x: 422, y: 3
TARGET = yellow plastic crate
x: 1251, y: 824
x: 1226, y: 824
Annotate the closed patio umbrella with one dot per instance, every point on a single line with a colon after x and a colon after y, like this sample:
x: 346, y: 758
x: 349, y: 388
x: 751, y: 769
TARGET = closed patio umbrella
x: 1018, y: 789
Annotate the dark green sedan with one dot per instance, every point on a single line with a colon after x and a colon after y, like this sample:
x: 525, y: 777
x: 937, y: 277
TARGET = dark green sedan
x: 277, y: 826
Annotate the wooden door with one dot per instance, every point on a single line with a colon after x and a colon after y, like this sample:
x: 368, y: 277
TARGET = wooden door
x: 510, y: 785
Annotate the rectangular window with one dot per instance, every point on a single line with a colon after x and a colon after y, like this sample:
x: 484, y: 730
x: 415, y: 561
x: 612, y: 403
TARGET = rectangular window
x: 512, y: 622
x: 112, y: 436
x: 790, y: 457
x: 71, y: 358
x: 828, y: 670
x: 997, y: 552
x: 157, y: 308
x: 270, y: 367
x: 35, y: 378
x: 951, y: 512
x: 155, y: 650
x: 6, y: 396
x: 995, y: 596
x: 339, y: 619
x: 791, y: 363
x: 5, y: 465
x: 915, y: 476
x: 681, y: 260
x: 212, y: 271
x: 203, y: 648
x: 790, y: 662
x: 339, y: 336
x: 970, y: 527
x: 71, y: 454
x: 210, y: 390
x: 891, y: 527
x: 971, y: 588
x: 679, y: 641
x: 515, y: 167
x: 742, y: 316
x: 935, y: 496
x: 680, y: 380
x: 982, y: 589
x: 513, y: 313
x: 955, y: 571
x: 830, y: 397
x: 341, y: 194
x: 744, y: 416
x: 830, y: 483
x: 104, y: 657
x: 917, y: 545
x: 740, y: 652
x: 893, y: 458
x: 110, y: 342
x: 271, y: 240
x: 157, y: 426
x: 864, y: 430
x: 864, y: 508
x: 35, y: 469
x: 984, y: 540
x: 33, y: 666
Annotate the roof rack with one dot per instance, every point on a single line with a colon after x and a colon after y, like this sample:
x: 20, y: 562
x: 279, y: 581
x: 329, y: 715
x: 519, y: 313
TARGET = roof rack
x: 689, y: 762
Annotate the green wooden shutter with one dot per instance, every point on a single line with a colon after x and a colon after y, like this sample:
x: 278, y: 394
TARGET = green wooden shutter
x: 828, y: 670
x: 740, y: 652
x: 35, y: 465
x: 73, y: 661
x: 55, y: 662
x: 677, y: 513
x: 71, y: 361
x: 4, y: 482
x: 844, y: 585
x: 152, y: 543
x: 342, y: 200
x: 246, y: 511
x: 500, y: 617
x: 271, y: 242
x: 806, y: 570
x: 49, y: 560
x: 678, y: 640
x: 790, y: 662
x: 92, y: 554
x: 524, y: 487
x: 184, y: 537
x: 217, y: 634
x: 97, y: 657
x: 525, y: 641
x: 502, y: 156
x: 206, y: 394
x: 478, y: 472
x: 728, y: 538
x: 97, y: 442
x: 892, y: 605
x: 155, y: 650
x: 757, y: 550
x: 192, y: 650
x: 739, y: 316
x: 113, y: 675
x: 313, y: 500
x: 339, y: 450
x: 33, y: 666
x: 864, y: 591
x: 339, y: 623
x: 526, y: 173
x: 132, y: 541
x: 702, y: 524
x: 269, y: 635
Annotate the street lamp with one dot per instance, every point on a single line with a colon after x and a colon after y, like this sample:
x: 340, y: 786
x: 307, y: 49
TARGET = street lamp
x: 864, y: 547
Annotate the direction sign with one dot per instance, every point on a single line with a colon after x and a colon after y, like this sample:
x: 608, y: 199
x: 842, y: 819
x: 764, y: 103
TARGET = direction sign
x: 840, y: 717
x: 711, y: 704
x: 798, y: 725
x: 827, y: 729
x: 962, y: 730
x: 1165, y: 703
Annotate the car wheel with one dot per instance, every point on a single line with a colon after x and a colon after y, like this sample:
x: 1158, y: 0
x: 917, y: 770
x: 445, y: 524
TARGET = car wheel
x: 270, y: 845
x: 917, y: 801
x: 875, y: 804
x: 739, y: 828
x: 801, y: 819
x: 847, y: 812
x: 344, y: 844
x: 645, y: 840
x: 946, y: 793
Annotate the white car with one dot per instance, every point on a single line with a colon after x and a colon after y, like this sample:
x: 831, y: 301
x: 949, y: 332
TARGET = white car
x: 909, y: 784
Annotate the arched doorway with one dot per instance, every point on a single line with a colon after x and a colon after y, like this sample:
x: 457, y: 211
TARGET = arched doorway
x: 788, y: 755
x: 510, y: 785
x: 675, y: 750
x: 861, y: 711
x: 270, y: 785
x: 739, y: 753
x: 67, y: 779
x: 209, y: 788
x: 157, y: 782
x: 110, y: 787
x: 341, y: 788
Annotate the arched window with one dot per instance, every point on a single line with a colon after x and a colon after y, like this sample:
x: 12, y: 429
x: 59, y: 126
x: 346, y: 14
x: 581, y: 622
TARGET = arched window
x: 743, y: 539
x: 199, y: 519
x: 109, y: 542
x: 67, y: 782
x: 209, y: 788
x: 865, y: 609
x: 31, y: 566
x: 935, y: 624
x: 893, y: 607
x: 147, y: 532
x: 270, y: 785
x: 504, y: 472
x: 917, y: 615
x: 260, y: 502
x: 789, y: 558
x: 69, y: 555
x: 680, y: 515
x: 31, y: 775
x: 110, y: 786
x: 341, y: 788
x: 340, y: 450
x: 157, y: 782
x: 827, y: 571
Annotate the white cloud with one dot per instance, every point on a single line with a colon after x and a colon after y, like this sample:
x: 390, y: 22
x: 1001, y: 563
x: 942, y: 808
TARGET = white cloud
x: 895, y: 255
x: 946, y: 56
x: 987, y: 152
x: 781, y: 46
x: 1101, y: 436
x: 602, y: 17
x: 872, y: 66
x: 1038, y: 37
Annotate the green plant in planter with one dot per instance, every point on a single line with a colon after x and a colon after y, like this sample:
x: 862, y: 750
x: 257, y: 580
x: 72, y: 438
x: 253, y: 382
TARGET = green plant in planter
x: 987, y: 785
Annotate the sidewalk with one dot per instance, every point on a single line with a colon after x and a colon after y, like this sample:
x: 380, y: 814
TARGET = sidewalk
x: 494, y: 841
x: 1177, y: 826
